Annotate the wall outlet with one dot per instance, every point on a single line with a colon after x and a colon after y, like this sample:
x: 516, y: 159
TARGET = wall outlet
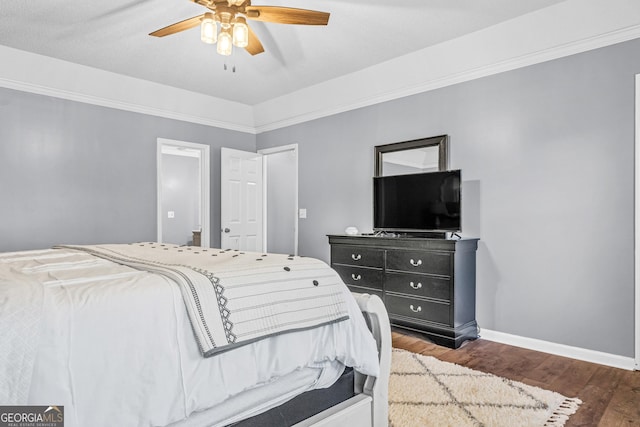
x: 302, y: 213
x: 171, y: 214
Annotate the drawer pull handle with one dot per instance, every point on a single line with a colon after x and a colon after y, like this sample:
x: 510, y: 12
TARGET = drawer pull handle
x: 356, y: 276
x: 415, y: 263
x: 356, y: 257
x: 414, y: 286
x: 415, y: 310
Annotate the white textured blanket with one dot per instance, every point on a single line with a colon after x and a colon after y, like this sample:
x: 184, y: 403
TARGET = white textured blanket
x: 20, y: 316
x: 234, y: 297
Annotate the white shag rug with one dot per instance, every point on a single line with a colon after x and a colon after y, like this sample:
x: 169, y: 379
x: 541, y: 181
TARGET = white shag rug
x: 424, y: 391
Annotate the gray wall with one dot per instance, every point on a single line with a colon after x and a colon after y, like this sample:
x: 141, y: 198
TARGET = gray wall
x: 546, y: 154
x: 78, y: 173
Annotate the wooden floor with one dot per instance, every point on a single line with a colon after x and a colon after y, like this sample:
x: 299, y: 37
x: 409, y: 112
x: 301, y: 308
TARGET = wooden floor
x: 610, y: 396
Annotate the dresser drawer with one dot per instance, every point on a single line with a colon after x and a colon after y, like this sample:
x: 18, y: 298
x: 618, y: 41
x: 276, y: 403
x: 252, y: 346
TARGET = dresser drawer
x: 354, y: 255
x: 419, y: 262
x: 419, y: 285
x: 418, y: 309
x: 360, y: 276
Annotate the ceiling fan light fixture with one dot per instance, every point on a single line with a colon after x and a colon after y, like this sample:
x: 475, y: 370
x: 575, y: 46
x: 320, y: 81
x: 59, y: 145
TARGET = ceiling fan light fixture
x: 240, y: 32
x: 208, y: 29
x: 232, y: 15
x: 225, y: 42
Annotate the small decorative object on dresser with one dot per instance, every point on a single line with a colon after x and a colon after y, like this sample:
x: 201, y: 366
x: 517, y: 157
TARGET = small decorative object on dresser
x: 427, y: 285
x: 351, y: 231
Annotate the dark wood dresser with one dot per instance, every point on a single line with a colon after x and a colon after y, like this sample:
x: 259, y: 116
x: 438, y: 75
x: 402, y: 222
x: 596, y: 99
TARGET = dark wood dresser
x: 427, y: 285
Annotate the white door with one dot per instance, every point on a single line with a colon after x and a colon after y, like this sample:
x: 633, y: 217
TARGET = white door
x: 240, y: 200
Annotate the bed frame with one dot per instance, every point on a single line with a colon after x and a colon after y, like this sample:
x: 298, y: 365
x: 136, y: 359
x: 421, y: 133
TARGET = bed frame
x: 369, y: 407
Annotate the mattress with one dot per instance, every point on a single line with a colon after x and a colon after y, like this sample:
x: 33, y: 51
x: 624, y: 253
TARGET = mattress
x: 114, y: 345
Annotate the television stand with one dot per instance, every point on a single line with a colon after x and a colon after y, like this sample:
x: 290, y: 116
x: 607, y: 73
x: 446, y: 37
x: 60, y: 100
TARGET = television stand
x: 428, y: 285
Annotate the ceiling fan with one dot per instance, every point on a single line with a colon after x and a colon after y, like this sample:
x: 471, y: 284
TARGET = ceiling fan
x: 232, y: 16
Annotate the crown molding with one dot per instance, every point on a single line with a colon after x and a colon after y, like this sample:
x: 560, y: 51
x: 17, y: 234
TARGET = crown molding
x: 23, y: 71
x: 126, y: 106
x: 525, y: 60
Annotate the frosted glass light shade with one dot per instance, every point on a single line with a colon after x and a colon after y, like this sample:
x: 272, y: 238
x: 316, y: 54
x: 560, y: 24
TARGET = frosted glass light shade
x: 225, y: 43
x: 208, y: 29
x: 240, y: 32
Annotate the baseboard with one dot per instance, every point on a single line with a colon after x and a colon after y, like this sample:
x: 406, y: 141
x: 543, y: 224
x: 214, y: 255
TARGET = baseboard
x: 586, y: 355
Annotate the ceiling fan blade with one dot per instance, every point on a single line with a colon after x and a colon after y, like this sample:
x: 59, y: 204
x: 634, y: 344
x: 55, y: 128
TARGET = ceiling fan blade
x: 178, y: 26
x: 287, y: 15
x: 254, y: 47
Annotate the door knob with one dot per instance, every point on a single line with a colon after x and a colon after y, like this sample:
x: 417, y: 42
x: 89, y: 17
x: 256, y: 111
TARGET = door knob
x: 226, y: 230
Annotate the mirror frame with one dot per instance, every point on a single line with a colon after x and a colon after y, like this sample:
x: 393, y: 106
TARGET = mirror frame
x: 442, y: 142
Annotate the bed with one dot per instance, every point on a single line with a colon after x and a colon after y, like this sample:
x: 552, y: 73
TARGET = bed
x: 150, y: 334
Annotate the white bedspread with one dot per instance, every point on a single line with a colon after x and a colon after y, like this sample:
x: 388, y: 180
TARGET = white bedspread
x: 118, y: 349
x: 20, y: 316
x: 235, y: 297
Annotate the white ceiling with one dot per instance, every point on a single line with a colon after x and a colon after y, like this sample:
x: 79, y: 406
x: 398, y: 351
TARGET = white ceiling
x: 113, y: 36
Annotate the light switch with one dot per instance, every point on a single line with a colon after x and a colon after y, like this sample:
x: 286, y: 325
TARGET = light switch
x: 302, y: 213
x: 171, y: 214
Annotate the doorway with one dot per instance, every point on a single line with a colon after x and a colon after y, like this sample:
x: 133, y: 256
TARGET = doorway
x: 270, y: 198
x: 183, y: 193
x: 281, y: 199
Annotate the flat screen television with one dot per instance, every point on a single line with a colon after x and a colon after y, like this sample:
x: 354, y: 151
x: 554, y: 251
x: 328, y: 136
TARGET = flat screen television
x: 423, y: 202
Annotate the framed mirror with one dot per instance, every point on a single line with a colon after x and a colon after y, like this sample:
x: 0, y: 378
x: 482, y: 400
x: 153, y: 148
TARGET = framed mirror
x: 409, y: 157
